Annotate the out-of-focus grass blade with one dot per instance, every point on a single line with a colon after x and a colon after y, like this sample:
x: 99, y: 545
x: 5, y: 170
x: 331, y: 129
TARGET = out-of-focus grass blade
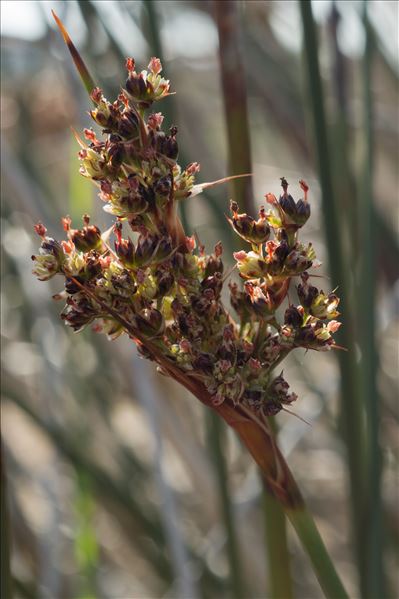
x: 106, y: 487
x: 344, y: 184
x: 235, y: 100
x: 216, y: 438
x: 87, y: 79
x: 131, y: 513
x: 278, y: 557
x: 86, y: 547
x: 374, y: 558
x: 352, y: 403
x: 6, y: 584
x: 277, y: 552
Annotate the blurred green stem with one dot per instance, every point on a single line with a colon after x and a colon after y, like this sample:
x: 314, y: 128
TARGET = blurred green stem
x: 278, y: 556
x: 86, y: 545
x: 341, y: 148
x: 280, y: 586
x: 374, y: 559
x: 151, y: 27
x: 6, y: 585
x: 235, y: 99
x: 323, y: 567
x: 216, y: 442
x: 352, y: 408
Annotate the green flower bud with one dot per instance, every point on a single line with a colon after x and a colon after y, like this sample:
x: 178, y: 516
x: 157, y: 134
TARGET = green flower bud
x: 50, y: 260
x: 111, y: 327
x: 250, y: 265
x: 93, y: 164
x: 324, y: 306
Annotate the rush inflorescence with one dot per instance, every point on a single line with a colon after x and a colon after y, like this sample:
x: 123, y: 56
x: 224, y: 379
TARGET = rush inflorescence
x: 146, y: 278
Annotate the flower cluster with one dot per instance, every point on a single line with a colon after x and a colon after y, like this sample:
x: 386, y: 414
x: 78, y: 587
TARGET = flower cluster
x: 146, y: 278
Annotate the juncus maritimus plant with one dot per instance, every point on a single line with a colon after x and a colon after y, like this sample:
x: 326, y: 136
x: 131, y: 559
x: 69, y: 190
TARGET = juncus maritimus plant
x: 145, y: 278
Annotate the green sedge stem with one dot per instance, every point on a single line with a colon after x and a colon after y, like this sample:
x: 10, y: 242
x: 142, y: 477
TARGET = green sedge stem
x: 278, y: 557
x: 312, y: 542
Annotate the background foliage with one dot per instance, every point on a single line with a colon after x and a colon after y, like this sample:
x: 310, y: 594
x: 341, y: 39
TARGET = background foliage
x: 119, y: 484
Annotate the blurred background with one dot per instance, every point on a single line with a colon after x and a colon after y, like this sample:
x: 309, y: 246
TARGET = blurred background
x: 116, y: 483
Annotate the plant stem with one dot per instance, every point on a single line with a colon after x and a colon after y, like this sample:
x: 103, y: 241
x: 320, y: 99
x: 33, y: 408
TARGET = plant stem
x: 352, y: 408
x: 278, y: 556
x: 374, y: 557
x: 311, y: 541
x: 216, y: 438
x: 283, y: 488
x: 277, y: 550
x: 280, y: 483
x: 235, y: 99
x: 6, y: 584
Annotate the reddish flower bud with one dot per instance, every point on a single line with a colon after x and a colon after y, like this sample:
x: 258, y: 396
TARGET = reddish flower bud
x: 155, y: 65
x: 130, y: 64
x: 40, y: 229
x: 155, y: 121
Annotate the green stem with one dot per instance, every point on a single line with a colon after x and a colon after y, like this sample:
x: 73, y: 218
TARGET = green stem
x: 6, y: 584
x: 374, y: 557
x: 281, y: 485
x: 277, y: 550
x: 278, y: 556
x: 352, y: 403
x: 215, y: 433
x: 235, y: 99
x: 312, y: 542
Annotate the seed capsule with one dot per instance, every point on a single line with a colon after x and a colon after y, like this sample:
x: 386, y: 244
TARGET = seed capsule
x: 150, y: 323
x: 86, y: 239
x: 293, y: 317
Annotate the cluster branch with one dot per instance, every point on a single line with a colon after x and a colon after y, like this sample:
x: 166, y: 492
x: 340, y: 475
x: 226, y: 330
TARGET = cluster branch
x: 160, y: 287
